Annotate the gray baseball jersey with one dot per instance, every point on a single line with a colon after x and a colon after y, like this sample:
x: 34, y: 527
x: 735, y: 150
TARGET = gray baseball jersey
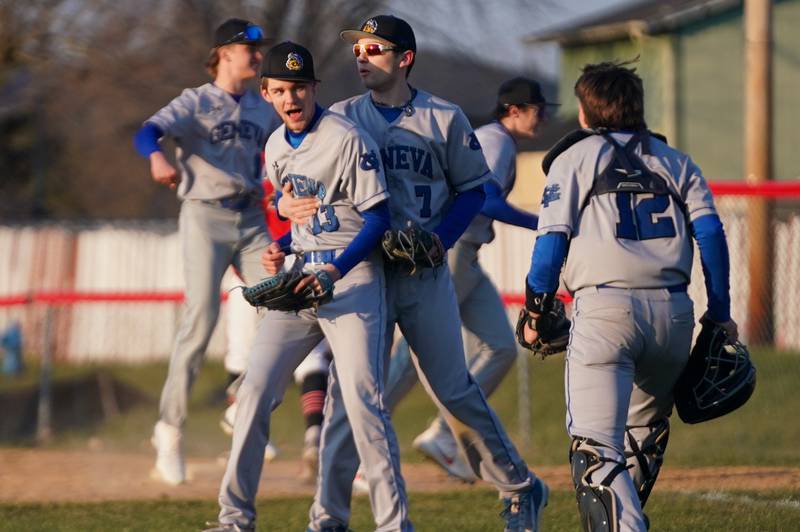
x: 634, y: 240
x: 219, y: 141
x: 336, y: 162
x: 426, y: 156
x: 429, y: 153
x: 500, y: 150
x: 339, y: 164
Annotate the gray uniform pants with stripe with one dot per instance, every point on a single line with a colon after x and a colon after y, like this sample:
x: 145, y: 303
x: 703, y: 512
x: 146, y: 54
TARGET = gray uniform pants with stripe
x: 627, y: 348
x: 353, y: 324
x: 490, y: 344
x: 425, y: 308
x: 212, y: 238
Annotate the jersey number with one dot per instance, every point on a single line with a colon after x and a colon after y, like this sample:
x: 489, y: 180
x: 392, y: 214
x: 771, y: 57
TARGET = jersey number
x: 424, y: 192
x: 637, y: 221
x: 329, y: 225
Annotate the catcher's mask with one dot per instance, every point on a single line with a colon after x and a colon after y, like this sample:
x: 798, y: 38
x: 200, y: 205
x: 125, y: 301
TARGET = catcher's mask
x: 718, y: 379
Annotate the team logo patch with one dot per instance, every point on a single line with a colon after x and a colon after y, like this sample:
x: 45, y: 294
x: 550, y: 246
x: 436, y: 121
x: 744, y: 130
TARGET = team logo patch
x: 369, y: 161
x: 473, y: 142
x: 294, y: 61
x: 370, y: 26
x: 551, y: 193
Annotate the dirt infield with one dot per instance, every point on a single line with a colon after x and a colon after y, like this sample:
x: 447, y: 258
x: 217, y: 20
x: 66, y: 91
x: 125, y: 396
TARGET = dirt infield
x: 83, y: 476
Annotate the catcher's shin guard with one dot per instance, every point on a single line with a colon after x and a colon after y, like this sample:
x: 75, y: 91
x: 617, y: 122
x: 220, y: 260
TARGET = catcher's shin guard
x: 644, y: 451
x: 597, y: 502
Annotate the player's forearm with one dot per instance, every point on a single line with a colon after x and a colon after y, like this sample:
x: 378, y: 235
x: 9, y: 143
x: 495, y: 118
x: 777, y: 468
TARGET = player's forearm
x: 463, y: 210
x: 146, y: 139
x: 546, y: 261
x: 497, y: 208
x: 376, y: 221
x: 714, y: 257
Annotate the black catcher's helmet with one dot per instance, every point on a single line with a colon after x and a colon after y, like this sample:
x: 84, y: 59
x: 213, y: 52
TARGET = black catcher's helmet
x: 718, y: 379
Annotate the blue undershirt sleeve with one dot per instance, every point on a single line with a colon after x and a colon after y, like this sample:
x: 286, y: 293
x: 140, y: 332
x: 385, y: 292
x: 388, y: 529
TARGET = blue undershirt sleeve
x: 498, y: 208
x: 278, y: 194
x: 548, y: 256
x: 461, y: 213
x: 146, y: 139
x: 376, y: 222
x: 714, y: 257
x: 285, y: 242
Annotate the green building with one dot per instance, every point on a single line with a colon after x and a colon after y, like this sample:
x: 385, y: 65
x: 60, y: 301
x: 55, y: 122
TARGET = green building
x: 691, y: 58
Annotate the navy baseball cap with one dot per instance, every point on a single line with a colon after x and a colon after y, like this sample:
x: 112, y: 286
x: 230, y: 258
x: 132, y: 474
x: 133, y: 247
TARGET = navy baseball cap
x: 289, y: 61
x: 238, y: 31
x: 388, y: 28
x: 519, y: 91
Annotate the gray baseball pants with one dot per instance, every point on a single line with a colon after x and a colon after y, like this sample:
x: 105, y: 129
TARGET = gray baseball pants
x: 353, y: 324
x: 490, y: 344
x: 212, y: 238
x: 426, y: 309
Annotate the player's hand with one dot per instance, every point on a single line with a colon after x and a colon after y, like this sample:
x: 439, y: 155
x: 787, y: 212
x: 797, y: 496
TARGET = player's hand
x: 162, y: 171
x: 272, y: 259
x: 529, y: 334
x: 312, y: 279
x: 298, y: 210
x: 731, y: 329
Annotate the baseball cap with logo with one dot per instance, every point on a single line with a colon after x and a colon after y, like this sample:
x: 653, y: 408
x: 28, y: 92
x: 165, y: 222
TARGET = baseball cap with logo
x: 289, y: 61
x: 238, y: 31
x: 519, y: 91
x: 388, y: 28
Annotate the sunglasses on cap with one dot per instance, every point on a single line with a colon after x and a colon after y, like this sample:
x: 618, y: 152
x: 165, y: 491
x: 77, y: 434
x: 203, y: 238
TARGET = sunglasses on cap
x: 250, y: 33
x: 372, y: 48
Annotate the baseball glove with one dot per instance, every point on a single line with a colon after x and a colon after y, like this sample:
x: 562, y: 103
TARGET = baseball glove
x: 552, y: 326
x: 278, y: 292
x: 414, y: 247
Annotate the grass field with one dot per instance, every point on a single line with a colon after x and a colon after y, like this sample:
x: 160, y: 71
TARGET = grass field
x: 463, y: 511
x: 763, y: 433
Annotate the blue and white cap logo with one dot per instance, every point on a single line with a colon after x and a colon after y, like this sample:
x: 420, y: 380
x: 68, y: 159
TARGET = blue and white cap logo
x: 294, y: 61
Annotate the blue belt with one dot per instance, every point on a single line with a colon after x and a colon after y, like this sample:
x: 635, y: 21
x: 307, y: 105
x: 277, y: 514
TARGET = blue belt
x: 234, y: 203
x: 675, y: 289
x: 323, y: 256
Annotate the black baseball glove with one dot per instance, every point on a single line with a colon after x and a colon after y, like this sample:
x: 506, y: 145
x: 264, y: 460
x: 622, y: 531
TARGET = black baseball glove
x: 279, y: 292
x: 413, y: 247
x: 551, y: 324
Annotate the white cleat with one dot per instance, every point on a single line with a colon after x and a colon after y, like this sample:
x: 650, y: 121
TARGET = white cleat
x: 440, y: 446
x: 168, y: 443
x: 360, y: 484
x: 310, y: 454
x: 270, y: 452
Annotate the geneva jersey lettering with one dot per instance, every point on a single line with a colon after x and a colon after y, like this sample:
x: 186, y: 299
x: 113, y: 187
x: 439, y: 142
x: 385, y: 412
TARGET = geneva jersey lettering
x: 219, y: 141
x: 624, y: 239
x: 500, y: 151
x: 427, y: 157
x: 338, y: 163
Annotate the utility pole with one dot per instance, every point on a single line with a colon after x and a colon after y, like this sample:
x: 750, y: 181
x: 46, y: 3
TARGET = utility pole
x: 758, y: 165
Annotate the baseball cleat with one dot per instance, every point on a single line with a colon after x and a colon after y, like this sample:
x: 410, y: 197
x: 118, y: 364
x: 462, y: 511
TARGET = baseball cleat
x: 523, y: 512
x: 228, y: 418
x: 270, y: 452
x: 440, y: 446
x: 224, y: 527
x: 360, y: 484
x: 310, y: 454
x: 170, y: 465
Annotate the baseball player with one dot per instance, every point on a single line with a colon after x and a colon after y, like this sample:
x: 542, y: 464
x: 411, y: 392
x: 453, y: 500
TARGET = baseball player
x: 311, y: 375
x: 220, y: 129
x: 520, y: 110
x: 324, y: 155
x: 622, y: 207
x: 435, y: 171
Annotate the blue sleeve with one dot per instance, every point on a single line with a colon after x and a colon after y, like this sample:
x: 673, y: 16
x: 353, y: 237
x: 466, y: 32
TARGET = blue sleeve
x: 496, y: 207
x: 710, y: 236
x: 278, y: 195
x: 146, y: 139
x: 461, y: 213
x: 548, y: 256
x: 376, y: 222
x: 285, y: 242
